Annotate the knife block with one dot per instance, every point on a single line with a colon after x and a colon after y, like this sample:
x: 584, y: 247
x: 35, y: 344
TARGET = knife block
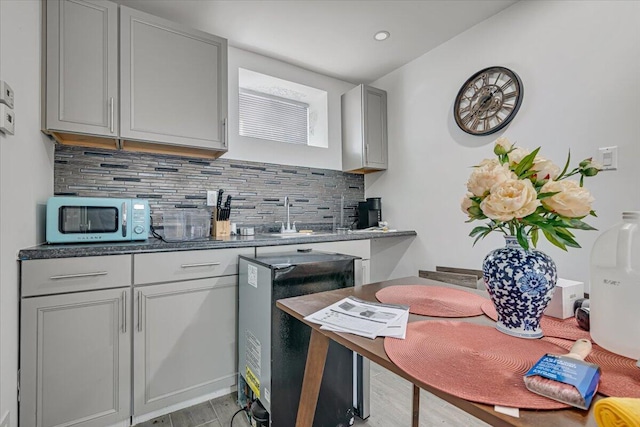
x: 220, y: 228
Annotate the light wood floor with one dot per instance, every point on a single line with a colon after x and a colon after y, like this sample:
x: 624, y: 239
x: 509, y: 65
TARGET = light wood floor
x: 390, y: 407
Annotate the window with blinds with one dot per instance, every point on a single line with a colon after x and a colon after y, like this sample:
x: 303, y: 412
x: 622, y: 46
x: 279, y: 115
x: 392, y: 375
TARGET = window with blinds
x: 270, y: 117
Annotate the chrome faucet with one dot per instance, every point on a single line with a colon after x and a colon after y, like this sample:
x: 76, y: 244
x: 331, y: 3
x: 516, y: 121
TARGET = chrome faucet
x: 289, y: 229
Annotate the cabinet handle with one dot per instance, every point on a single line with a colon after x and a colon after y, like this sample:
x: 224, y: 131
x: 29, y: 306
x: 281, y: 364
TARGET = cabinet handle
x: 111, y: 114
x: 366, y: 153
x: 139, y: 311
x: 124, y: 311
x: 200, y: 264
x: 71, y: 276
x: 124, y: 219
x: 226, y: 132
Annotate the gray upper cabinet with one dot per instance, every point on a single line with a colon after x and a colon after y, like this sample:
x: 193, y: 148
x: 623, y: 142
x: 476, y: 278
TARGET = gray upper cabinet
x: 364, y: 130
x: 82, y: 67
x: 120, y: 78
x: 173, y: 82
x: 75, y: 359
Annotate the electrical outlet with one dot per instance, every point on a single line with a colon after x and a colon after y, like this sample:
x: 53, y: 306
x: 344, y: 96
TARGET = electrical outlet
x: 608, y: 158
x: 212, y: 197
x: 7, y: 120
x: 6, y: 94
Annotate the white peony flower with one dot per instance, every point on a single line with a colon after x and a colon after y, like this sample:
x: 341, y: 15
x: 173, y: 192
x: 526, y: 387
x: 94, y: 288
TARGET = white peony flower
x: 466, y: 203
x: 571, y: 201
x: 545, y: 169
x: 517, y: 155
x: 510, y: 199
x: 502, y: 146
x: 487, y: 174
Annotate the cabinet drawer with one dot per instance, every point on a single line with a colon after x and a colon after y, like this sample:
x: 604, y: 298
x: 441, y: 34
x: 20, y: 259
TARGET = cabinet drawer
x: 173, y: 266
x: 54, y: 276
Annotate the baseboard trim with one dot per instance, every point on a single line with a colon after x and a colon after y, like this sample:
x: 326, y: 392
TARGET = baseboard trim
x: 151, y: 415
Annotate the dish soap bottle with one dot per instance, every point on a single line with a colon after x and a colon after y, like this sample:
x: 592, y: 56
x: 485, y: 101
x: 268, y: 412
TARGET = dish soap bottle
x: 615, y: 288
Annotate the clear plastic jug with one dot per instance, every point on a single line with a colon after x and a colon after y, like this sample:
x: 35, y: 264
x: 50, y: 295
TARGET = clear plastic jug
x: 615, y: 288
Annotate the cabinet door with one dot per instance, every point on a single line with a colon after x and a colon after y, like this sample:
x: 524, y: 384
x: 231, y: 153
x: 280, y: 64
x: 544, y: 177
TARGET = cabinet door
x: 82, y: 66
x: 75, y: 359
x: 184, y: 341
x: 173, y: 82
x: 375, y: 127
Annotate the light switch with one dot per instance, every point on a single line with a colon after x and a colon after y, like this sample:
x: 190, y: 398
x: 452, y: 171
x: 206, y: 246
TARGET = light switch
x: 608, y: 158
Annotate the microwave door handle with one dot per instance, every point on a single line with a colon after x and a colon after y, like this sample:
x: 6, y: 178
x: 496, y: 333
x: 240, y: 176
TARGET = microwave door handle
x: 124, y: 219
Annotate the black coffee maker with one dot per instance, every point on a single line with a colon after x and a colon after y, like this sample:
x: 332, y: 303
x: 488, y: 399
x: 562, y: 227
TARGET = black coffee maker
x: 369, y: 213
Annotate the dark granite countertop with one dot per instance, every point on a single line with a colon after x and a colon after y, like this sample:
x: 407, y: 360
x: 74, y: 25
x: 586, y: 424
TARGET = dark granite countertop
x: 155, y: 245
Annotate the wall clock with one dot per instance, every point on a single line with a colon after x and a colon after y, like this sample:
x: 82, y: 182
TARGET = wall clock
x: 488, y: 101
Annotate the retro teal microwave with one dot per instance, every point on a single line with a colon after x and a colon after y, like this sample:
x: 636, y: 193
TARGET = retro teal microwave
x: 96, y: 219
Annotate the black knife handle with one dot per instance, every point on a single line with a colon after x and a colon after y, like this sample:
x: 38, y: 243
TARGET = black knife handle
x: 219, y: 205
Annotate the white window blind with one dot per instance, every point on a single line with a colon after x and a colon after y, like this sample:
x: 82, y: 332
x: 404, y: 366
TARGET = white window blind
x: 273, y: 118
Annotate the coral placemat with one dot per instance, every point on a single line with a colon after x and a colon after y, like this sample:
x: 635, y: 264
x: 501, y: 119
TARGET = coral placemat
x: 551, y: 327
x: 620, y: 375
x: 473, y: 362
x: 436, y: 301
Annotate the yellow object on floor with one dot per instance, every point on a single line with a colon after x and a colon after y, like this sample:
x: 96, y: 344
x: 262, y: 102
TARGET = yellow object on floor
x: 617, y: 412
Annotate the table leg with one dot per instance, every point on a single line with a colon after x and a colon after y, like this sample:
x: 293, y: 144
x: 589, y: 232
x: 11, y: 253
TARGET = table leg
x: 415, y: 410
x: 316, y: 357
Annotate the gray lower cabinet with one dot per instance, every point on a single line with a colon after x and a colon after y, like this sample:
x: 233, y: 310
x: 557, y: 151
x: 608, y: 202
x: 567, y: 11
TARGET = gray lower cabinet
x: 81, y: 67
x: 186, y: 317
x: 75, y: 359
x: 173, y: 82
x: 184, y: 343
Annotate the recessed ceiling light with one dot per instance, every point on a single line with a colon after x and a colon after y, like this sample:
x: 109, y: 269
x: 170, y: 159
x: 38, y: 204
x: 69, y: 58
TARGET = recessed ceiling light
x: 381, y: 35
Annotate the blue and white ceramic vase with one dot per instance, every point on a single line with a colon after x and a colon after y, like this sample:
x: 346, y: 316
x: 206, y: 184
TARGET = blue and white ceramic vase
x: 520, y: 283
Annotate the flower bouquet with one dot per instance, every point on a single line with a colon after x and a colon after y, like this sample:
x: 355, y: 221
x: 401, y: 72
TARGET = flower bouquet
x: 521, y: 193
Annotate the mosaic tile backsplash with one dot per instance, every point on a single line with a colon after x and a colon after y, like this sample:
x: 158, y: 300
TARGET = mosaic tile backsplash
x: 175, y: 183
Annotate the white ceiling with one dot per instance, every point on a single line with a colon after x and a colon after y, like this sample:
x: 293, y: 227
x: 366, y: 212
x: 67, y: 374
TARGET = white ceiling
x: 334, y: 38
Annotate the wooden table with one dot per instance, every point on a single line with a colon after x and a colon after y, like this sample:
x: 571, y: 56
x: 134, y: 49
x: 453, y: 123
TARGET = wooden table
x: 302, y: 306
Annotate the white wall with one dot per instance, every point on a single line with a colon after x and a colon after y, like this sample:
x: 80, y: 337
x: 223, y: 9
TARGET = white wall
x: 579, y: 62
x: 256, y: 150
x: 26, y: 176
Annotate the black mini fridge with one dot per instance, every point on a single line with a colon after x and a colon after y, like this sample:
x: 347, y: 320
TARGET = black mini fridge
x: 272, y: 345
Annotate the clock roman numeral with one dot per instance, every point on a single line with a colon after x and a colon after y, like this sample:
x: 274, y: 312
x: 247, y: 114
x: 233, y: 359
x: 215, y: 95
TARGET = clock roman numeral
x: 466, y: 119
x: 476, y: 122
x: 505, y: 86
x: 510, y: 95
